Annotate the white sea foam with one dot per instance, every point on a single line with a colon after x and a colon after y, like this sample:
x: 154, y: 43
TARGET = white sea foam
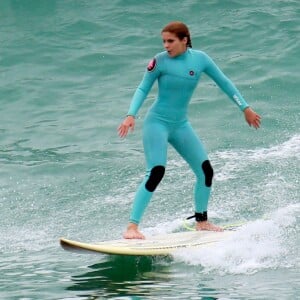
x: 229, y: 163
x: 166, y: 227
x: 262, y: 244
x: 16, y: 239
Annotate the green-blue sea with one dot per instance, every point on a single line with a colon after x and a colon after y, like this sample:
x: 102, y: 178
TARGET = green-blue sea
x: 68, y: 70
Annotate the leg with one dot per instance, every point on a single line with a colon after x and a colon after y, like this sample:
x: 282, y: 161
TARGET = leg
x: 189, y: 146
x: 155, y: 139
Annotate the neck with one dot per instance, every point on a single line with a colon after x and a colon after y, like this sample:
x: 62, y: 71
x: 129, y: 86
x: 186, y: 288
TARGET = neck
x: 183, y: 52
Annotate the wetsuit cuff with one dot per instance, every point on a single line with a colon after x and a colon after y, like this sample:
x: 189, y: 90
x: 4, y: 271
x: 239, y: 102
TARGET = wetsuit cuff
x: 133, y: 221
x: 244, y: 107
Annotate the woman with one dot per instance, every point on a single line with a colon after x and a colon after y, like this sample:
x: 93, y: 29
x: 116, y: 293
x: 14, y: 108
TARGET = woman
x: 177, y: 70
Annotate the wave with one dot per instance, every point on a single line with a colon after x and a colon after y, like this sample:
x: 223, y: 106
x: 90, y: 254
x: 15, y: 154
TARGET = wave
x: 267, y: 243
x: 231, y: 162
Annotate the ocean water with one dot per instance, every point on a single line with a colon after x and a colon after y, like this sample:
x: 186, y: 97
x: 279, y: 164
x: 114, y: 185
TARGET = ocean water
x: 68, y: 72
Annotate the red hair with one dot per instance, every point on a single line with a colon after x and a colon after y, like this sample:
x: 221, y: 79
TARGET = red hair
x: 180, y: 30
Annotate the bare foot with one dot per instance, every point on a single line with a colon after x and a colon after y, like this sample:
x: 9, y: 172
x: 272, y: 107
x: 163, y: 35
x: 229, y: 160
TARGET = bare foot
x: 132, y: 232
x: 205, y: 225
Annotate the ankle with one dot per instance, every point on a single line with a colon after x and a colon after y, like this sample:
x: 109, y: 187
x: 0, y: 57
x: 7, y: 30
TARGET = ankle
x: 132, y: 226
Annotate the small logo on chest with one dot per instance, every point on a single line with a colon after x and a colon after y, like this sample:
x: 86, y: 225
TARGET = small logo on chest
x: 192, y: 73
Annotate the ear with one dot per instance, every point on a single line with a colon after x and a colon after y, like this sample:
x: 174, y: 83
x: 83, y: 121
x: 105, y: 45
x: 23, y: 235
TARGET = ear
x: 185, y: 40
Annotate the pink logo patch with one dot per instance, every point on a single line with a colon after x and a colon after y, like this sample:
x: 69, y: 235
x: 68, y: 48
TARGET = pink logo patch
x: 192, y: 73
x: 151, y: 65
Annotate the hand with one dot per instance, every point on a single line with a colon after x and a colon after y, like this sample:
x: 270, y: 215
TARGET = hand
x: 252, y: 118
x: 127, y: 124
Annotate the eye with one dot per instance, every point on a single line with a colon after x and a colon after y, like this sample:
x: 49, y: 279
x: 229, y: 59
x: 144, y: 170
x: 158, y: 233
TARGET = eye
x: 170, y: 41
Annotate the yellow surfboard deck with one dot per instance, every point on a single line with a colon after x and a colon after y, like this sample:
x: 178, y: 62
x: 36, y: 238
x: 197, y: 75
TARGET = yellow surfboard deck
x: 164, y: 244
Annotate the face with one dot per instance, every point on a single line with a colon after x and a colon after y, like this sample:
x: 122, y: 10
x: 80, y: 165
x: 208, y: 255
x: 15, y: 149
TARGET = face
x: 173, y: 45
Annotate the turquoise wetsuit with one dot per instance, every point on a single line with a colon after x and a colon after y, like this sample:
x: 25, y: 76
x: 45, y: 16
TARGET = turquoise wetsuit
x: 166, y: 122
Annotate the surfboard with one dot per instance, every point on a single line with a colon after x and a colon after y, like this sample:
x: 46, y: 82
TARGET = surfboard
x: 164, y: 244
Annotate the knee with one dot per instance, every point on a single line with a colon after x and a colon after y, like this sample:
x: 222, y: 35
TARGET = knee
x: 208, y: 172
x: 156, y: 175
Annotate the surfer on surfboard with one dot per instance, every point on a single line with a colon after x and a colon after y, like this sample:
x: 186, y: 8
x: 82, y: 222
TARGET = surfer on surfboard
x: 178, y: 71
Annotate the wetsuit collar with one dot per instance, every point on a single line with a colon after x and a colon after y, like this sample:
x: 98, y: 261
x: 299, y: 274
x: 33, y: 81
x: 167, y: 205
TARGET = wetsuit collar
x: 182, y: 55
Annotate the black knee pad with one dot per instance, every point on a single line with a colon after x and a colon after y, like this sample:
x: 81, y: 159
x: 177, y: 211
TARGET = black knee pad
x: 208, y: 172
x: 156, y: 175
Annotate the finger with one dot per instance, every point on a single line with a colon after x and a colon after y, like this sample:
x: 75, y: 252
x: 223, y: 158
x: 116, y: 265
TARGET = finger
x: 122, y: 131
x: 125, y: 130
x: 119, y: 129
x: 256, y: 124
x: 258, y: 121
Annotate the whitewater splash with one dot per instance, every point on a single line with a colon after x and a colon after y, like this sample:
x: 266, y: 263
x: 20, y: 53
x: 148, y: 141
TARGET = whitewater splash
x: 267, y: 243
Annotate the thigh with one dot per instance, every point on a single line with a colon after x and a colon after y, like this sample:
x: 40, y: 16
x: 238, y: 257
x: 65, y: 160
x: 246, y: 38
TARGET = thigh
x: 155, y: 141
x: 189, y: 146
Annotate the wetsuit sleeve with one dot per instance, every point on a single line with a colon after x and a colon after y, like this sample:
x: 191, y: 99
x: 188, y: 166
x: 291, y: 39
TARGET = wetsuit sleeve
x: 144, y: 87
x: 213, y: 71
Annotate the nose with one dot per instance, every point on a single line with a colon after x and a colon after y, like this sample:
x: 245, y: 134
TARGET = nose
x: 166, y: 45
